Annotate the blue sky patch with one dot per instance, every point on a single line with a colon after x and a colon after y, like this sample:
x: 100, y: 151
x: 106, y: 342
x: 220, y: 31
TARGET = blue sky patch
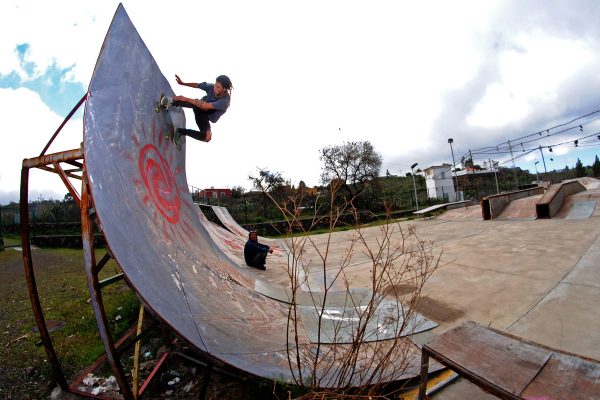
x: 60, y: 95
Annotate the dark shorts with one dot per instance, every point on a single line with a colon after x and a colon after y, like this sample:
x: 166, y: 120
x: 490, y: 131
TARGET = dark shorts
x: 200, y: 115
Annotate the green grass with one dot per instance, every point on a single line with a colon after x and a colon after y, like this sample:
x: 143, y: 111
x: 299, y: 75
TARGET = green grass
x: 342, y: 228
x: 62, y: 287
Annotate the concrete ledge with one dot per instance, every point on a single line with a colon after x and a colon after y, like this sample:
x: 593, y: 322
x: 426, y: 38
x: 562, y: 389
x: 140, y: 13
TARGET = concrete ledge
x: 492, y: 206
x: 554, y: 198
x: 445, y: 206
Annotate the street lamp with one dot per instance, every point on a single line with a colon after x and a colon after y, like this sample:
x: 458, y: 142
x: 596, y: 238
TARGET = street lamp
x: 537, y: 180
x: 414, y: 184
x: 450, y: 141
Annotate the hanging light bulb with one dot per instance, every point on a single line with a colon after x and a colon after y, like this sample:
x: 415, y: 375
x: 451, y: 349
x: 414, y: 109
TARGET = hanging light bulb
x: 576, y: 143
x: 581, y: 128
x: 550, y: 149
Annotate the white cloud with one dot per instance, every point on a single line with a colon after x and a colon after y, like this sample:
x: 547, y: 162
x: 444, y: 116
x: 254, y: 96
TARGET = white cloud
x: 63, y: 32
x: 405, y: 76
x: 497, y: 108
x: 27, y: 129
x: 531, y: 72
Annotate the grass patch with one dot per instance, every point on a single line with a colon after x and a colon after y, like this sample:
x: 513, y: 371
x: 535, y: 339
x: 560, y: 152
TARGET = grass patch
x: 62, y: 287
x: 342, y: 228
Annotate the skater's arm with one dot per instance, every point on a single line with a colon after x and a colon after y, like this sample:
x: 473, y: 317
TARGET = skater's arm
x: 190, y: 84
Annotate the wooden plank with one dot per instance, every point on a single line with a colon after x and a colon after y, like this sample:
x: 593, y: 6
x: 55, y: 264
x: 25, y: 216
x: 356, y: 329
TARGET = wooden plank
x: 566, y: 377
x: 496, y: 362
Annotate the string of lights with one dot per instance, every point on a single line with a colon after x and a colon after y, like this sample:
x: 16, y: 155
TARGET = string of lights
x: 523, y: 144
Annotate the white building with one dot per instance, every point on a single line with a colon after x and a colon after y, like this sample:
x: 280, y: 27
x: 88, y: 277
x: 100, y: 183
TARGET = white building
x: 440, y: 184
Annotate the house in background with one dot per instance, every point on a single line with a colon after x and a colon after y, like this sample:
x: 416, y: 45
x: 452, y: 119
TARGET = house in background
x: 440, y: 184
x: 213, y: 193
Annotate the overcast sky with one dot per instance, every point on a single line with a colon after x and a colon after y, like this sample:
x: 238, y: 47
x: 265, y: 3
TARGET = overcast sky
x: 308, y: 74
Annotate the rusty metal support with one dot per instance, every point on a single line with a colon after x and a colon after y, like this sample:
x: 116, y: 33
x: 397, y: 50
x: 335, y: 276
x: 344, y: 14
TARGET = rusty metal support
x: 63, y: 156
x: 95, y: 290
x: 424, y: 374
x: 67, y: 173
x: 205, y: 381
x: 67, y: 183
x: 154, y: 372
x: 105, y: 259
x: 31, y: 284
x: 63, y: 123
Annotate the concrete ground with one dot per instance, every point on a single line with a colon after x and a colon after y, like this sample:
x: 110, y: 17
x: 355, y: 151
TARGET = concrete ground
x: 538, y: 279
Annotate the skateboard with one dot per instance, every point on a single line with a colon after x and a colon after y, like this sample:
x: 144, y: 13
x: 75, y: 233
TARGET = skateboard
x: 170, y: 133
x: 162, y: 104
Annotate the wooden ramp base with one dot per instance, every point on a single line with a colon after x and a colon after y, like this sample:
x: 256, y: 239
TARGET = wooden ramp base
x: 510, y: 367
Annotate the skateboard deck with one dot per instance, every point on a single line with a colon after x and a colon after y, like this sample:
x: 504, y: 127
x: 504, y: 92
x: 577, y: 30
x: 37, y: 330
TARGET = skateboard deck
x: 169, y: 132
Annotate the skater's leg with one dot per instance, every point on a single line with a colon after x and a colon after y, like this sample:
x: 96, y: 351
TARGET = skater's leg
x: 178, y: 103
x: 259, y: 261
x: 204, y: 134
x: 193, y: 134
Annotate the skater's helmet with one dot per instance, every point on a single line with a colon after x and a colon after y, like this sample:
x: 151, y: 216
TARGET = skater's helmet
x: 224, y: 81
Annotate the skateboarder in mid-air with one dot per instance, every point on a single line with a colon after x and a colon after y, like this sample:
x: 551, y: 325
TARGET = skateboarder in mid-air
x: 206, y: 110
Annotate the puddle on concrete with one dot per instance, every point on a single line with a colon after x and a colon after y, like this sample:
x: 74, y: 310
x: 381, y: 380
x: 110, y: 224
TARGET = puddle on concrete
x: 437, y: 310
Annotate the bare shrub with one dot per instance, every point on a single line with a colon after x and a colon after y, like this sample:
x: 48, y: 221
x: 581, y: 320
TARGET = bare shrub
x: 361, y: 345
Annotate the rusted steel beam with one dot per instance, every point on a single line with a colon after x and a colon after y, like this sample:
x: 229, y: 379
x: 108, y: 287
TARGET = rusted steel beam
x: 73, y: 170
x: 95, y: 290
x: 98, y: 267
x: 150, y: 377
x: 68, y: 184
x: 53, y: 170
x: 424, y: 374
x: 63, y: 156
x: 31, y: 284
x: 111, y: 280
x: 75, y: 164
x: 79, y: 103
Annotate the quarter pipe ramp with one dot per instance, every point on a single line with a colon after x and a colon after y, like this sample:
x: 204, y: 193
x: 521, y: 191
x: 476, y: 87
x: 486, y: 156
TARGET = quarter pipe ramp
x: 140, y: 194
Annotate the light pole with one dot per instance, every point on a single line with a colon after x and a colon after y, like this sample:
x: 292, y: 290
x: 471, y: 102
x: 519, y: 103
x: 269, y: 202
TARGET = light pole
x: 493, y: 166
x: 414, y: 184
x: 537, y: 179
x: 450, y: 141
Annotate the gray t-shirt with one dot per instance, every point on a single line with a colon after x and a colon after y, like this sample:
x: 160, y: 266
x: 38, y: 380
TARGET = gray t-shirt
x: 220, y: 104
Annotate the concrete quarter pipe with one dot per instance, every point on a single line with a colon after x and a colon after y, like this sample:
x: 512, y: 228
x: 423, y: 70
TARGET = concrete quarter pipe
x: 140, y: 194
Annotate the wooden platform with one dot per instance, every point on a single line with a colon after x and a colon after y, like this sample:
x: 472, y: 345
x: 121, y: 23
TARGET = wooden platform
x: 510, y: 367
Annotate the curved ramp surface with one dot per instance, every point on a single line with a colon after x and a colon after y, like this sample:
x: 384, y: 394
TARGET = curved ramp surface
x: 138, y: 184
x: 140, y: 194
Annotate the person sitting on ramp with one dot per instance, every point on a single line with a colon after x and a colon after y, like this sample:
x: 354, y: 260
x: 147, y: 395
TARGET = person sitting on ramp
x: 255, y: 253
x: 206, y: 110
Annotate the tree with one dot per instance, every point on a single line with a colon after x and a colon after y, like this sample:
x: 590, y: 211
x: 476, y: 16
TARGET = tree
x: 266, y: 182
x: 237, y: 192
x: 353, y: 164
x: 579, y: 169
x: 596, y: 167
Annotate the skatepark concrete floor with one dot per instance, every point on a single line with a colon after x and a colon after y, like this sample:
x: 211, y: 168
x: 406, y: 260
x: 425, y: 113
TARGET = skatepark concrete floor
x: 537, y: 279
